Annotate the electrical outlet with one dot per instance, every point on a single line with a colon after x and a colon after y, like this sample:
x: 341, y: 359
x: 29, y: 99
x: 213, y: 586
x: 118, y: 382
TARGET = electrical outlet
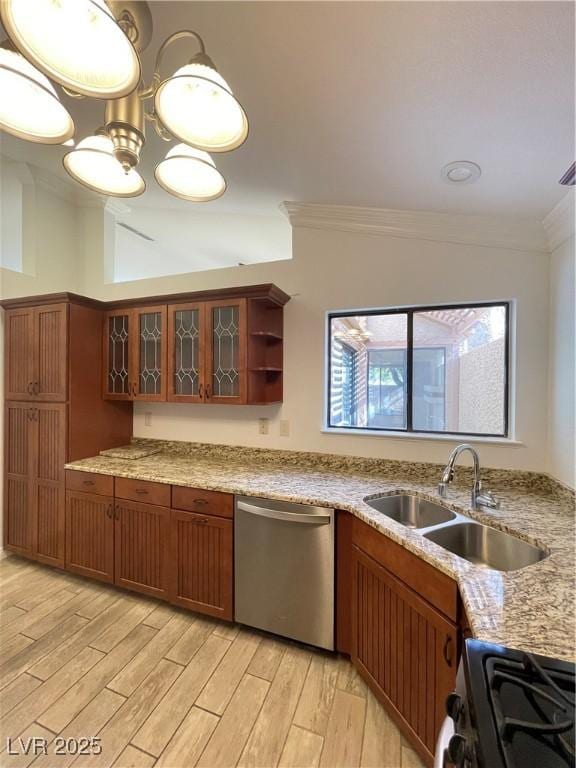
x: 147, y: 419
x: 284, y: 428
x: 263, y: 426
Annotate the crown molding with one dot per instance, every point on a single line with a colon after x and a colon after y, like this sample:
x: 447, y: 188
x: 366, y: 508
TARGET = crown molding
x: 559, y: 223
x: 487, y: 231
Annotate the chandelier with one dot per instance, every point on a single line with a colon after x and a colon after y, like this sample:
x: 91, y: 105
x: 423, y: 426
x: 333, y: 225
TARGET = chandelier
x: 91, y: 48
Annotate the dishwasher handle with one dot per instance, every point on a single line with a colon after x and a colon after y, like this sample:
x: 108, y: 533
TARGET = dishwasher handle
x: 288, y: 517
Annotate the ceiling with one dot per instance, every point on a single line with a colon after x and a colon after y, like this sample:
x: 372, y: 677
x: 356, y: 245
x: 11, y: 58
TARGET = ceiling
x: 362, y: 103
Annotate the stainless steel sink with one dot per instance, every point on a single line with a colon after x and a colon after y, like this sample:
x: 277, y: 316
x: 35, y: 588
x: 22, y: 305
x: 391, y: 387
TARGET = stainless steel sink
x: 486, y: 546
x: 411, y: 511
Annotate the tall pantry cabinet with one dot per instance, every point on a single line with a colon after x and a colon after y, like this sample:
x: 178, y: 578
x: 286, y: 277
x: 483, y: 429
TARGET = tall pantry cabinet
x: 54, y: 413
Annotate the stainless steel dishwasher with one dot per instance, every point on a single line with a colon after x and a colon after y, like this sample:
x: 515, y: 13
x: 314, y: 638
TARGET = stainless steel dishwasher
x: 284, y: 569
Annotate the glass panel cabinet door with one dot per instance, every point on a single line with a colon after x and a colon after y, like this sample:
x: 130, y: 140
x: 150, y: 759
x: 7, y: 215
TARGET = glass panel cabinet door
x: 186, y: 353
x: 150, y: 353
x: 117, y: 334
x: 226, y: 352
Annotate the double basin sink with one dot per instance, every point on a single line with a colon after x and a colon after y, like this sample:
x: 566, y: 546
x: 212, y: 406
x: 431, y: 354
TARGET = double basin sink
x: 475, y: 542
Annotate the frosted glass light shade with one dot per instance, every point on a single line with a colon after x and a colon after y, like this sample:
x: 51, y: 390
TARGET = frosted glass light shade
x: 78, y: 43
x: 190, y: 174
x: 29, y: 106
x: 93, y: 164
x: 197, y: 106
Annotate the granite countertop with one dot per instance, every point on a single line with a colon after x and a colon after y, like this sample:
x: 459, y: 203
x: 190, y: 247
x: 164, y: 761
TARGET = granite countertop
x: 532, y: 609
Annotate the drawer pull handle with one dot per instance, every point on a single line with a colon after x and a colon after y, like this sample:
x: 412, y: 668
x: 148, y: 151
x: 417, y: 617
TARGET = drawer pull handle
x: 201, y: 391
x: 109, y: 511
x: 141, y: 491
x: 447, y: 645
x: 30, y: 388
x: 88, y: 482
x: 199, y: 501
x: 116, y: 512
x: 202, y: 520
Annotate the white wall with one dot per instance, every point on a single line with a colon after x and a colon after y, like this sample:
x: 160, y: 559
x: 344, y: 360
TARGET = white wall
x: 340, y: 270
x: 329, y: 270
x: 562, y: 385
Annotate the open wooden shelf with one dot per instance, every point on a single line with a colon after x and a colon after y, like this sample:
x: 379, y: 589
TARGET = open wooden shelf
x: 267, y: 335
x: 266, y: 368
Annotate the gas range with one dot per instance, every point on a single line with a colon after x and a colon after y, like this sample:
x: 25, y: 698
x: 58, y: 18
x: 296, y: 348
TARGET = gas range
x: 510, y: 710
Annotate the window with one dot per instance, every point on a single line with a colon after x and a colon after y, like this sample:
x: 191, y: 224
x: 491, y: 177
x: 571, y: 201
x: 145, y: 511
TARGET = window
x: 421, y: 369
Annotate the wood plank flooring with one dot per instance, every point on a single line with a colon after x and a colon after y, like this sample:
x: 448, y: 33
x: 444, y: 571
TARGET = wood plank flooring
x: 162, y: 687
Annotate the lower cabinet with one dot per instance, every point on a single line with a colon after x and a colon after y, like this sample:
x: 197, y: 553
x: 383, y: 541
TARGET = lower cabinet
x: 90, y: 535
x: 202, y: 574
x: 175, y: 555
x: 141, y: 547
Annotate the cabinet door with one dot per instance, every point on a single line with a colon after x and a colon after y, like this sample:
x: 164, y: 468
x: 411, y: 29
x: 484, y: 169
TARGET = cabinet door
x: 202, y: 574
x: 49, y: 425
x: 149, y: 353
x: 141, y: 547
x: 404, y: 648
x: 51, y: 353
x: 118, y: 384
x: 226, y: 352
x: 18, y: 511
x: 90, y: 535
x: 19, y: 355
x: 186, y: 346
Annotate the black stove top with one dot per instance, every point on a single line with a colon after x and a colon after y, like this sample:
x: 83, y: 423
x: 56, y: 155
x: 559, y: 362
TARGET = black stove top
x: 522, y: 707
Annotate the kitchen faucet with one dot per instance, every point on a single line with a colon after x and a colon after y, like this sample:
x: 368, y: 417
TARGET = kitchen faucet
x: 480, y: 498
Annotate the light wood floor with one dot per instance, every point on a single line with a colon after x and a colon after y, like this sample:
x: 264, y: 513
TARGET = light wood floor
x: 166, y: 688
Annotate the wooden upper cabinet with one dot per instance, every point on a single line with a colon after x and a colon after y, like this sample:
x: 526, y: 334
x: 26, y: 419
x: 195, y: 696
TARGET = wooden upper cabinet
x: 135, y: 354
x: 51, y: 352
x: 225, y: 352
x: 19, y: 353
x: 207, y: 352
x: 36, y: 353
x: 149, y: 353
x: 186, y: 348
x: 118, y: 331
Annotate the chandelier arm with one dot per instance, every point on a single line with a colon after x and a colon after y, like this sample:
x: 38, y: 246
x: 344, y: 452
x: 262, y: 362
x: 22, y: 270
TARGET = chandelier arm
x: 147, y: 92
x: 72, y: 94
x: 153, y: 118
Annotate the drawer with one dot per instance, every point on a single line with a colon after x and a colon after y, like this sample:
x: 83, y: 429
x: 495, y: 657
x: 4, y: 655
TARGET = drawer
x: 203, y: 502
x: 89, y: 482
x: 143, y: 490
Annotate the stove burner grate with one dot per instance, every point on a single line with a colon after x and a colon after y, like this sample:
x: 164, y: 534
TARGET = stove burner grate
x: 554, y: 728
